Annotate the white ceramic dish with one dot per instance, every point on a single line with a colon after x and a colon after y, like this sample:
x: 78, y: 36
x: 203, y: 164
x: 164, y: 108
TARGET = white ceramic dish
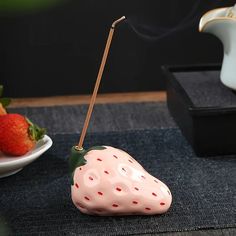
x: 11, y: 165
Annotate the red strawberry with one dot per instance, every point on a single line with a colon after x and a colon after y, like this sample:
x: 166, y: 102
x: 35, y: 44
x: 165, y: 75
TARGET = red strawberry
x: 108, y: 181
x: 18, y: 135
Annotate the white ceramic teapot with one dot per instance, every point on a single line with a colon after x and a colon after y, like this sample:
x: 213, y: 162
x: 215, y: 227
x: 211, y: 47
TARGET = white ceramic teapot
x: 221, y: 22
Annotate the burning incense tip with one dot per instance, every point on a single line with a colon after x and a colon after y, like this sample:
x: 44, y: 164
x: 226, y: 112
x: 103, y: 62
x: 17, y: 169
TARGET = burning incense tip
x: 117, y: 21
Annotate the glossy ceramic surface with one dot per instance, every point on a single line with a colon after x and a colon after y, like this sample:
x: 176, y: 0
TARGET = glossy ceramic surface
x: 113, y: 183
x: 222, y: 23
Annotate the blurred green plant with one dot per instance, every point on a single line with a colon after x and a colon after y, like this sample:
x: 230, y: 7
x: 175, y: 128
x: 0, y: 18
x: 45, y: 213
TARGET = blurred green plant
x: 4, y: 230
x: 25, y: 5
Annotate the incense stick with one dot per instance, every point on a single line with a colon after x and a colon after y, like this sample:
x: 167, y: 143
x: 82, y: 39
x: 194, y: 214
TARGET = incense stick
x: 99, y: 77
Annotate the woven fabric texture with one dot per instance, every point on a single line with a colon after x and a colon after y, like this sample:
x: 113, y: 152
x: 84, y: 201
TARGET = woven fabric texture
x: 106, y: 117
x: 37, y: 199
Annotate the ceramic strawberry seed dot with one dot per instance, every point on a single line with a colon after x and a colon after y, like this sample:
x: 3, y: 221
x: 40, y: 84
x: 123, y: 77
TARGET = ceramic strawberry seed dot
x: 79, y: 205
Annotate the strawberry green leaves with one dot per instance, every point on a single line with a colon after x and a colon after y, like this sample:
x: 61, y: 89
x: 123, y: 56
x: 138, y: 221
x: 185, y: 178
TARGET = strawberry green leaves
x: 4, y: 101
x: 36, y: 133
x: 77, y: 158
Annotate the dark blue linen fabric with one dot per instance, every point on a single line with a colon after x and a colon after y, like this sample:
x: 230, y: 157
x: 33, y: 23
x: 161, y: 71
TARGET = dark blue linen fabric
x: 37, y: 199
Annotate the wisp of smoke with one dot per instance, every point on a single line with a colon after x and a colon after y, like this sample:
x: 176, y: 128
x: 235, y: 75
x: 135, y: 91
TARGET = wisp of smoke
x: 154, y: 33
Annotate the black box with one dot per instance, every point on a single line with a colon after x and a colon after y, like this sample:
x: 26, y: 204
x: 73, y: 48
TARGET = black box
x: 203, y: 108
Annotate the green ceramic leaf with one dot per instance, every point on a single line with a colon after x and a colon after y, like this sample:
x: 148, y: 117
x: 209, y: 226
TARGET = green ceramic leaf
x: 77, y: 159
x: 72, y: 178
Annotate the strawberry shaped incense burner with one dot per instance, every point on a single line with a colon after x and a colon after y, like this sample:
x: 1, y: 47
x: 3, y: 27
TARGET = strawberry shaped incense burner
x: 107, y: 180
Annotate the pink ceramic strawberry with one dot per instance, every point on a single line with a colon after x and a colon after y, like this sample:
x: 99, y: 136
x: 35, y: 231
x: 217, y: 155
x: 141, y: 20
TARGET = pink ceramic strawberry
x: 108, y: 181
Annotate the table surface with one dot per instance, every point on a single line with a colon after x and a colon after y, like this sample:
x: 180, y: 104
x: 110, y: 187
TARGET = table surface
x: 114, y: 98
x: 85, y: 99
